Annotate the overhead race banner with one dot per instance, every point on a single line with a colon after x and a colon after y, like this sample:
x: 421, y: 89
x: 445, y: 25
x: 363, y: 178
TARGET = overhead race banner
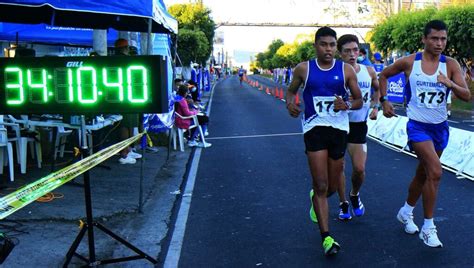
x: 29, y: 193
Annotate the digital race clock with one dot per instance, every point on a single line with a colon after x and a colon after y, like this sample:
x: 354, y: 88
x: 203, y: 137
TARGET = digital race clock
x: 83, y: 85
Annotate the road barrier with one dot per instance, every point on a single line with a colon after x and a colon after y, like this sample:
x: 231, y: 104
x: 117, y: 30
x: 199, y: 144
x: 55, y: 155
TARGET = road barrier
x: 458, y: 156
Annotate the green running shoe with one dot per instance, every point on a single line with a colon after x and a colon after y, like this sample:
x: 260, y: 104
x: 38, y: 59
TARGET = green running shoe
x: 330, y: 246
x: 312, y: 214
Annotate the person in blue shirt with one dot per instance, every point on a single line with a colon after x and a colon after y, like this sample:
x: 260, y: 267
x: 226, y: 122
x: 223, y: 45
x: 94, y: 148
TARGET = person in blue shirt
x: 326, y: 83
x: 241, y: 73
x: 378, y: 63
x: 431, y: 77
x: 363, y: 58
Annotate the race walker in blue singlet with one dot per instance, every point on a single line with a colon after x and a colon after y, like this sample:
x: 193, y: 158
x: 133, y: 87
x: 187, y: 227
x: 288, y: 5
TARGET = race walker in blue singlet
x: 325, y: 123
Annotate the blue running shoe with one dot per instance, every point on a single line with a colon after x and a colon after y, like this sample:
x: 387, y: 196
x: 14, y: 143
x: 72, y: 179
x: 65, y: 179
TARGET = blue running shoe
x: 344, y: 214
x: 312, y: 214
x: 358, y: 208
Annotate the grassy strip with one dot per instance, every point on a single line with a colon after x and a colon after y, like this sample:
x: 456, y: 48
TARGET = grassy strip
x: 459, y: 105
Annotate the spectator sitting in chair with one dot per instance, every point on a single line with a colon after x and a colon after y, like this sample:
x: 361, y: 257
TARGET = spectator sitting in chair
x: 182, y: 108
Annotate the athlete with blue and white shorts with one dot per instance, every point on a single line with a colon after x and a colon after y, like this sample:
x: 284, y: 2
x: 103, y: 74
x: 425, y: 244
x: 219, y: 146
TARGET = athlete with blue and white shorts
x: 431, y: 76
x: 325, y: 122
x: 348, y: 47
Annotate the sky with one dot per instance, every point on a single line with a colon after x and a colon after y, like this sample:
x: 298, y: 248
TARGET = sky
x: 240, y: 39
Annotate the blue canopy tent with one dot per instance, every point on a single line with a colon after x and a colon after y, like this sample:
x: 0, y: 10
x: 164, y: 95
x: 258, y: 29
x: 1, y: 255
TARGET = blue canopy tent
x: 133, y: 15
x: 46, y: 34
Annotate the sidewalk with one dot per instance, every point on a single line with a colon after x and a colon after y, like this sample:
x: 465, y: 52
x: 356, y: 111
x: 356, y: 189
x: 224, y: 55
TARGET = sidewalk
x: 44, y: 231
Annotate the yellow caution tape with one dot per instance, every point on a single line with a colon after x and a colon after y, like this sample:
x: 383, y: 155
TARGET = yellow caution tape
x: 30, y: 192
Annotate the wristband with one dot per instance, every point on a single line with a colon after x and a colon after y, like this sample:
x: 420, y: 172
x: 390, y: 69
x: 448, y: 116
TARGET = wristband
x: 383, y: 98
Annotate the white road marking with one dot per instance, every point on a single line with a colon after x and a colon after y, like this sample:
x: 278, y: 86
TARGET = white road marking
x: 254, y: 136
x: 176, y: 244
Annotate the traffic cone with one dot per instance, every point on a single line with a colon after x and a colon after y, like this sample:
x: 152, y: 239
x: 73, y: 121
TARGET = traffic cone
x: 256, y: 83
x: 281, y: 94
x: 277, y: 93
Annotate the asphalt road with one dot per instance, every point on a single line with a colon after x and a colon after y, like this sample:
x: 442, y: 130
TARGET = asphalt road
x: 249, y: 205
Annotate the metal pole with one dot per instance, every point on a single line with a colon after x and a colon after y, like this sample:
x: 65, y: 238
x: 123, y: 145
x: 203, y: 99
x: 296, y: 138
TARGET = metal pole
x: 87, y: 195
x: 148, y: 41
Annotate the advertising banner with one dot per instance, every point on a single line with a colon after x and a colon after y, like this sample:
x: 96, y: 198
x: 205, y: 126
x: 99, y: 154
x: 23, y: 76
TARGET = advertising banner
x: 396, y: 88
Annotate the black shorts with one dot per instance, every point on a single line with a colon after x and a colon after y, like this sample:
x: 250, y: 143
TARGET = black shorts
x: 357, y: 132
x: 326, y: 138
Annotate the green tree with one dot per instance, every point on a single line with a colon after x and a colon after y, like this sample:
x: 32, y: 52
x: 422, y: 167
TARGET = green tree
x: 305, y: 51
x: 264, y: 59
x: 192, y: 46
x: 460, y: 22
x: 285, y: 56
x: 409, y: 31
x: 195, y: 17
x: 404, y: 31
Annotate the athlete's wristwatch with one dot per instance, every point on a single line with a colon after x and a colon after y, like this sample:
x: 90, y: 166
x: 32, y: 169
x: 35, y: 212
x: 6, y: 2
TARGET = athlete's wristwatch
x: 349, y: 105
x: 383, y: 98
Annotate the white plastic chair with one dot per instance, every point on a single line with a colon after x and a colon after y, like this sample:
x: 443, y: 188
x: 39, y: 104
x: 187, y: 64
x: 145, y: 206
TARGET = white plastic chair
x: 35, y: 143
x: 180, y: 131
x: 5, y: 144
x: 16, y: 138
x: 60, y: 142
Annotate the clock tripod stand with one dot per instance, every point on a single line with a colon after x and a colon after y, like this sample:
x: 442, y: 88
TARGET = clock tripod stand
x: 90, y: 224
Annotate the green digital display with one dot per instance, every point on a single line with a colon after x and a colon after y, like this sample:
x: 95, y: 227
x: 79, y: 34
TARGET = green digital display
x: 82, y: 85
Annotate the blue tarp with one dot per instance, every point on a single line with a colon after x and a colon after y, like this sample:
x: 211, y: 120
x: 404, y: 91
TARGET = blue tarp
x: 132, y: 15
x: 162, y: 122
x: 42, y: 33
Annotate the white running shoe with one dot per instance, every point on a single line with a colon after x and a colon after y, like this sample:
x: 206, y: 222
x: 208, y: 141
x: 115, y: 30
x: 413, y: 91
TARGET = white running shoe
x: 134, y: 155
x: 127, y: 160
x: 193, y: 143
x: 151, y: 149
x: 204, y: 144
x: 407, y: 220
x: 430, y: 237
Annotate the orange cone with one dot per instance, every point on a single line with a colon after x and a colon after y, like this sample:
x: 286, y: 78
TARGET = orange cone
x: 256, y: 83
x: 277, y: 93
